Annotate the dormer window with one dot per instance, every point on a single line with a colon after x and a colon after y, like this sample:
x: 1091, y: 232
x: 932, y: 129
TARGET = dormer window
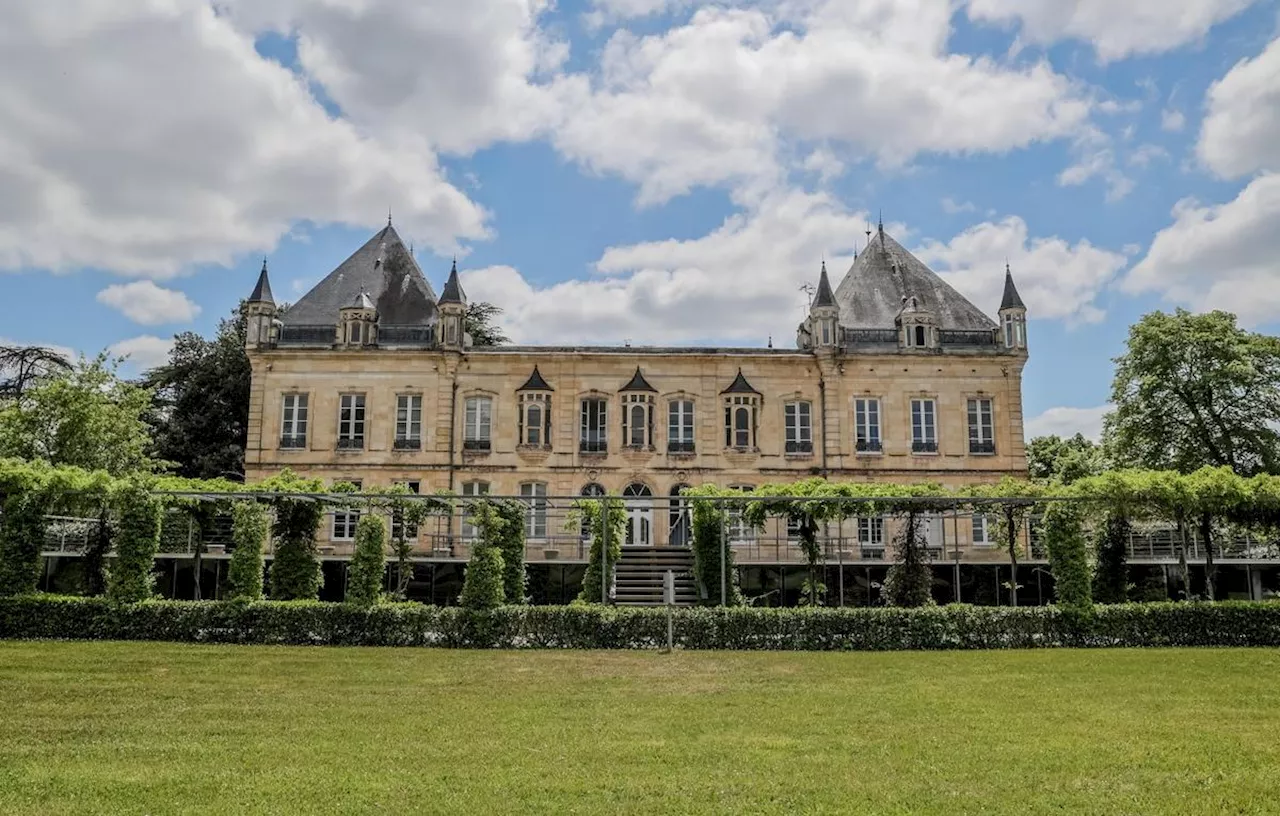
x: 740, y: 421
x: 535, y: 419
x: 637, y: 420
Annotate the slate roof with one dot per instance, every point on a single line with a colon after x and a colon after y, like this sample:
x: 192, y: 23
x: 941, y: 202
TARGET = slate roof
x: 361, y: 302
x: 262, y: 291
x: 824, y: 297
x: 1011, y: 299
x: 453, y: 288
x: 535, y: 382
x: 870, y: 296
x: 638, y: 383
x: 739, y: 386
x: 385, y: 270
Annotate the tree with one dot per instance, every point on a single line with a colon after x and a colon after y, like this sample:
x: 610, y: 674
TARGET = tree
x: 1111, y: 543
x: 200, y: 410
x: 482, y: 586
x: 1052, y: 458
x: 85, y: 416
x: 22, y: 367
x: 478, y: 322
x: 250, y: 524
x: 368, y: 567
x: 1195, y: 390
x: 909, y: 581
x: 1068, y: 561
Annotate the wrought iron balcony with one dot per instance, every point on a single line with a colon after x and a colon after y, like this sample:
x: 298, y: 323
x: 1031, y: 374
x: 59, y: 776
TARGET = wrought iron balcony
x: 924, y: 447
x: 350, y: 443
x: 476, y: 445
x: 680, y: 447
x: 296, y: 442
x: 799, y: 447
x: 981, y: 447
x: 593, y: 446
x: 407, y: 443
x: 869, y: 446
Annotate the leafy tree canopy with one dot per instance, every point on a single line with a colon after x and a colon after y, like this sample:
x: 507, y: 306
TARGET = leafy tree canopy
x: 22, y: 367
x: 479, y: 323
x: 1052, y: 458
x: 85, y: 417
x: 1193, y: 391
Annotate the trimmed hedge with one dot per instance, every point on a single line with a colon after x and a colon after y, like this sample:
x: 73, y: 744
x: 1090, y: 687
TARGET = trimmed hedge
x: 594, y: 627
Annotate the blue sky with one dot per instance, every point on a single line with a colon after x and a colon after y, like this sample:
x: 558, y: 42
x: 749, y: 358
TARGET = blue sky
x: 644, y: 170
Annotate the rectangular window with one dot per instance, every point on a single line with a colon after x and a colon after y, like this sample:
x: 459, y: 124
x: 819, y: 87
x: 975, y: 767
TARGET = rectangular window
x: 981, y: 530
x: 866, y: 420
x: 345, y: 521
x: 536, y: 519
x: 351, y: 422
x: 293, y: 421
x: 594, y: 437
x: 535, y: 420
x: 408, y: 422
x: 471, y: 490
x: 680, y: 426
x: 740, y: 422
x: 1008, y: 332
x: 477, y: 423
x: 410, y: 532
x: 924, y: 426
x: 981, y: 428
x: 799, y: 426
x: 637, y: 417
x: 871, y: 536
x: 739, y: 531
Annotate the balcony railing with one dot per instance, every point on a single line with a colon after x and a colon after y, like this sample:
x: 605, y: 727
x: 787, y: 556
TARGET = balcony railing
x: 402, y: 443
x: 406, y: 335
x: 350, y: 443
x: 981, y: 447
x: 799, y: 447
x: 476, y: 445
x: 869, y: 446
x: 967, y: 337
x: 918, y: 446
x: 307, y: 335
x: 293, y: 442
x: 853, y: 337
x: 593, y: 446
x: 680, y: 447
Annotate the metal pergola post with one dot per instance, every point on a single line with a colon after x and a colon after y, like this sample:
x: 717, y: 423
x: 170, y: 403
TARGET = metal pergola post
x: 604, y: 550
x: 724, y: 546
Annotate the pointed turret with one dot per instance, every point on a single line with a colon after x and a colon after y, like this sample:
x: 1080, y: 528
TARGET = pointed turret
x: 821, y: 329
x: 453, y: 311
x: 824, y: 295
x: 260, y: 313
x: 1013, y: 314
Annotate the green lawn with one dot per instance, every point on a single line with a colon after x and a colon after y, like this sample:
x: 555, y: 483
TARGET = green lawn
x: 160, y: 728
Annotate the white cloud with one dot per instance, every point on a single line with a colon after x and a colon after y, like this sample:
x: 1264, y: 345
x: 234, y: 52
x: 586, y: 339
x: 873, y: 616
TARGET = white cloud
x: 460, y: 75
x: 1067, y: 422
x: 1145, y: 154
x: 715, y: 100
x: 1114, y: 29
x: 146, y: 303
x: 1057, y: 280
x: 951, y: 207
x: 144, y: 352
x: 1241, y: 130
x: 191, y: 148
x: 1095, y: 158
x: 1219, y: 256
x: 606, y: 11
x: 1172, y: 120
x: 742, y: 282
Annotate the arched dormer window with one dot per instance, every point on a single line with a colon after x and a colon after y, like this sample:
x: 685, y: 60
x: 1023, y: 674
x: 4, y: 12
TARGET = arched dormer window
x: 741, y: 414
x: 534, y: 396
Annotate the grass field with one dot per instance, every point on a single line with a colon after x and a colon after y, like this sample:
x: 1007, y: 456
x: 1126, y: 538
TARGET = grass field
x: 159, y: 728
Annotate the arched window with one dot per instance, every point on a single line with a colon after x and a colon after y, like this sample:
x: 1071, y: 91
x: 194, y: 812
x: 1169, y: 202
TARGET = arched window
x: 680, y: 526
x: 590, y: 490
x: 637, y: 420
x: 920, y: 336
x: 535, y: 419
x: 740, y: 421
x: 742, y: 427
x: 639, y: 504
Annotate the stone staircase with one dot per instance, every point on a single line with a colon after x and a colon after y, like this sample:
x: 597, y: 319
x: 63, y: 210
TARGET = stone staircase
x: 641, y: 572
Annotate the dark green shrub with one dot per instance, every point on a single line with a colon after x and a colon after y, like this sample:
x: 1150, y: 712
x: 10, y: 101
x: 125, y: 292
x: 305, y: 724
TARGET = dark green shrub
x: 21, y: 537
x: 368, y: 567
x: 295, y: 569
x: 909, y: 582
x: 510, y: 542
x: 95, y: 576
x: 1111, y: 577
x: 604, y: 518
x: 137, y: 541
x: 482, y: 585
x: 249, y: 527
x: 709, y: 551
x: 1068, y: 561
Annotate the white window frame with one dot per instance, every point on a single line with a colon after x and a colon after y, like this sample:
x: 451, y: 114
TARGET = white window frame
x: 294, y: 416
x: 737, y: 529
x: 871, y: 532
x: 411, y: 534
x: 924, y: 425
x: 981, y: 530
x: 593, y: 425
x: 868, y: 437
x: 981, y: 413
x: 535, y: 495
x: 797, y: 416
x: 535, y: 434
x: 736, y: 437
x: 344, y: 521
x: 631, y: 404
x: 680, y: 426
x: 352, y: 421
x: 408, y: 420
x: 477, y: 422
x: 472, y: 489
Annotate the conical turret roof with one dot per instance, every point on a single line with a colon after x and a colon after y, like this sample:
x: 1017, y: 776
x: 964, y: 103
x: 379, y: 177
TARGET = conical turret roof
x: 453, y: 288
x: 262, y: 290
x: 535, y: 382
x: 1011, y: 299
x: 824, y: 296
x: 638, y: 383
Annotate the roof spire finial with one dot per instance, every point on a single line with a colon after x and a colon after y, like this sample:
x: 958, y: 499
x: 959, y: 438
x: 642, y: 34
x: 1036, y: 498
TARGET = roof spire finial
x: 388, y: 216
x: 868, y: 232
x: 455, y: 264
x: 880, y: 225
x: 264, y: 263
x: 771, y: 341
